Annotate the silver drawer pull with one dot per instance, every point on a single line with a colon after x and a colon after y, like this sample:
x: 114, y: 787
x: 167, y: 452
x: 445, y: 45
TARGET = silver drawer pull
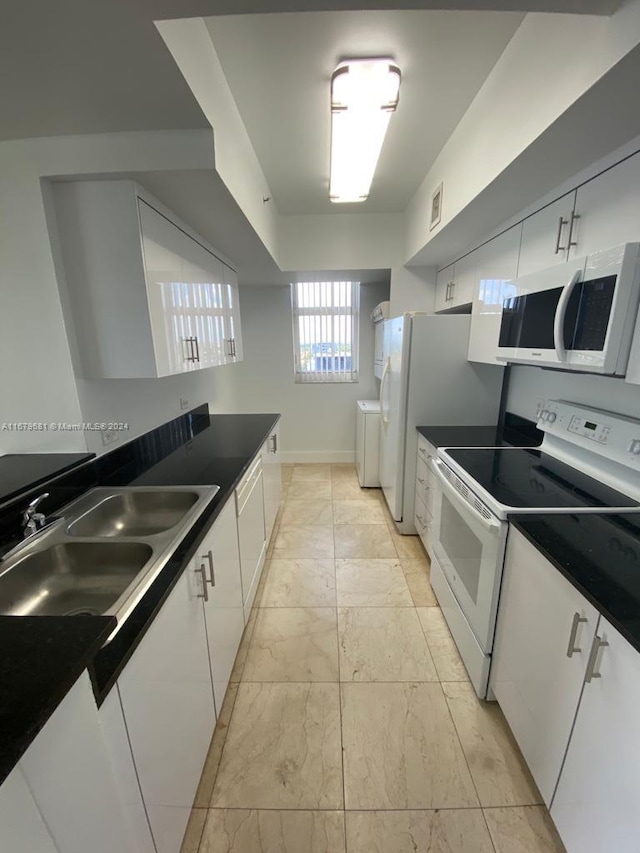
x: 212, y: 575
x: 203, y: 571
x: 572, y: 648
x: 561, y: 223
x: 598, y: 643
x: 422, y: 520
x: 423, y: 483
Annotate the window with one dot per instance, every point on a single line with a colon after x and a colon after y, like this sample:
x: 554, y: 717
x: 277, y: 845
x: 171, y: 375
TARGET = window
x: 325, y: 330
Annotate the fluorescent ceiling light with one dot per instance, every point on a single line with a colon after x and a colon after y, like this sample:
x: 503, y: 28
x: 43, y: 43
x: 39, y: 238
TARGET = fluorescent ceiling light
x: 364, y: 93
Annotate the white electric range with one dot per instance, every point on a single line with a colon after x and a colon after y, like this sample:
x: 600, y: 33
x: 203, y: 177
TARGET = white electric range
x: 588, y: 462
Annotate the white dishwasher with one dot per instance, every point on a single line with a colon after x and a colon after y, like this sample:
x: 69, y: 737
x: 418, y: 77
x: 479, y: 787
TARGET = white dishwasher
x: 368, y: 442
x: 251, y: 532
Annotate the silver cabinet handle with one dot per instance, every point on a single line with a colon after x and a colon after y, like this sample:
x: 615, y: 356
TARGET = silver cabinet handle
x: 598, y: 643
x: 453, y: 290
x: 212, y: 576
x: 274, y: 442
x: 423, y: 482
x: 233, y: 348
x: 421, y: 520
x: 203, y: 571
x: 190, y: 353
x: 572, y: 648
x: 574, y: 216
x: 561, y: 223
x: 423, y: 452
x: 196, y: 356
x: 231, y: 352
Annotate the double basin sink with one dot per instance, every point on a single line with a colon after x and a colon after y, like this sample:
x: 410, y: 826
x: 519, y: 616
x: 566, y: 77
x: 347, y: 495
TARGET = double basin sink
x: 102, y: 554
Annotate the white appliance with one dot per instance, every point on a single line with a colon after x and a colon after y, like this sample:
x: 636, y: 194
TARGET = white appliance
x: 577, y: 316
x: 368, y: 442
x: 427, y: 380
x: 588, y: 462
x: 379, y: 314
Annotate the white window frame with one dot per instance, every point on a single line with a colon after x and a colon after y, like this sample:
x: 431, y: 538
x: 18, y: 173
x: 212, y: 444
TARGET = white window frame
x: 347, y: 315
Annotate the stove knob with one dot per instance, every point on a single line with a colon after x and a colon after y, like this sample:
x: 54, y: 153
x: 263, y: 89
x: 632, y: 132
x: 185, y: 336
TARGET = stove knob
x: 551, y: 416
x: 544, y: 414
x: 634, y: 447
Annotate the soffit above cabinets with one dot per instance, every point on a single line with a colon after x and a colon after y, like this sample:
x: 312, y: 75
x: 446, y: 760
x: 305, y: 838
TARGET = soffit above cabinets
x: 278, y: 68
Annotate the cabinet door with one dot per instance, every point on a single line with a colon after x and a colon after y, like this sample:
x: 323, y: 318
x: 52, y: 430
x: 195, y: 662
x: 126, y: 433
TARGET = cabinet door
x: 609, y: 209
x: 272, y: 480
x: 68, y: 770
x: 219, y: 556
x: 168, y: 294
x: 497, y: 265
x: 464, y: 281
x: 533, y: 678
x: 444, y: 280
x: 167, y: 700
x: 545, y: 236
x: 205, y: 278
x: 233, y: 328
x: 22, y: 829
x: 597, y: 805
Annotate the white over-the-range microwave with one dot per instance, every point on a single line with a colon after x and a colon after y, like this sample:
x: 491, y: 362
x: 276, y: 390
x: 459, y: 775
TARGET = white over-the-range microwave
x: 577, y: 316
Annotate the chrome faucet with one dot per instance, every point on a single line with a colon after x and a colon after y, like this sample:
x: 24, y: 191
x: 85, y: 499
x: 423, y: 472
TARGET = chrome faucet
x: 34, y: 521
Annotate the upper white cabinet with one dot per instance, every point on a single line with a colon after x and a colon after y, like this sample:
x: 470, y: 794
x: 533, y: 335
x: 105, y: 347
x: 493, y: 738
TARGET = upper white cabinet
x: 548, y: 235
x: 455, y: 284
x: 597, y: 805
x: 496, y: 265
x: 608, y: 209
x: 544, y: 634
x: 146, y: 296
x: 272, y: 480
x: 217, y: 561
x: 167, y: 700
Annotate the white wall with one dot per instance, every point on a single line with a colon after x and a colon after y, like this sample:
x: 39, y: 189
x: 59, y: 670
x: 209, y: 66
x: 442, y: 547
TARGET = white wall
x: 318, y: 421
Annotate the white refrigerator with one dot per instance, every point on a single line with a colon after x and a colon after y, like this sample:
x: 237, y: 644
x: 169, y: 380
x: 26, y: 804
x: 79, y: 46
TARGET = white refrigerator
x: 427, y: 381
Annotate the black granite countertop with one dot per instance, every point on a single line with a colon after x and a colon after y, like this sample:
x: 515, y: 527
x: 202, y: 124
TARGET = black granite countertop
x: 514, y: 432
x: 41, y: 659
x: 600, y: 555
x: 42, y: 656
x: 22, y: 471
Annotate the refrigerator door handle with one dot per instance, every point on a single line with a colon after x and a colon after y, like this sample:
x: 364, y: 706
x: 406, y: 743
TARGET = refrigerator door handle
x: 385, y: 372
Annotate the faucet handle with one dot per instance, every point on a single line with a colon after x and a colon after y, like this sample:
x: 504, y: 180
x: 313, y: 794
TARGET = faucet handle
x: 34, y: 503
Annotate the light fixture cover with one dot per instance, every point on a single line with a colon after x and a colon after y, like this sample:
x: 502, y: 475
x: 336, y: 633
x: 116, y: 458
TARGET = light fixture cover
x: 364, y: 93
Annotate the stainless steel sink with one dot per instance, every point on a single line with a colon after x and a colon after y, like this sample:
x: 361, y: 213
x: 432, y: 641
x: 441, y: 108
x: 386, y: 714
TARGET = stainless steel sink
x: 102, y: 554
x: 143, y: 513
x: 71, y: 578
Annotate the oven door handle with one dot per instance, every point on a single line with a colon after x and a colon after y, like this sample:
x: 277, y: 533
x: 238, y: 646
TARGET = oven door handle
x: 561, y: 310
x: 490, y: 524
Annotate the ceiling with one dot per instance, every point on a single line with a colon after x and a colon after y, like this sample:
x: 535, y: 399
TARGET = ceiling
x: 279, y: 66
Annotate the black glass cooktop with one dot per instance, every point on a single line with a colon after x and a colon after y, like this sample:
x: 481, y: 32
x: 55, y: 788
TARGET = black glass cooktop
x: 525, y: 479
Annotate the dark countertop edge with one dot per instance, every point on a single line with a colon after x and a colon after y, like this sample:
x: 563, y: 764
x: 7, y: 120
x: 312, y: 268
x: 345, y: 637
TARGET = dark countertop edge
x: 557, y: 563
x: 196, y: 534
x: 18, y: 746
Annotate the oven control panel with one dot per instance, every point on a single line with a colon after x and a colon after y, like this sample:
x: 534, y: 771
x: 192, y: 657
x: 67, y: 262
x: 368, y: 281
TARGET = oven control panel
x: 608, y: 434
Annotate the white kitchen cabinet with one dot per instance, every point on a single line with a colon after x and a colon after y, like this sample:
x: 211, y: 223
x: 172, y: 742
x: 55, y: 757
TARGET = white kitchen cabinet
x: 145, y: 296
x: 116, y: 740
x: 368, y: 442
x: 609, y: 209
x: 597, y: 805
x: 444, y: 279
x: 546, y: 236
x: 217, y: 561
x: 251, y: 532
x: 68, y: 771
x: 423, y: 504
x: 271, y: 480
x: 22, y: 829
x: 544, y: 633
x: 168, y: 705
x: 496, y: 266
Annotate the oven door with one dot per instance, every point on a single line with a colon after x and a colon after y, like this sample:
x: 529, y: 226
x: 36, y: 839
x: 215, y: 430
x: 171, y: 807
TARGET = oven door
x: 469, y: 547
x: 575, y: 316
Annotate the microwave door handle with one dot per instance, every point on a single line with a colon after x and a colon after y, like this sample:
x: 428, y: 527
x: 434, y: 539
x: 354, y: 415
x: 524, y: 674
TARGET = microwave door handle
x: 561, y: 310
x: 487, y: 523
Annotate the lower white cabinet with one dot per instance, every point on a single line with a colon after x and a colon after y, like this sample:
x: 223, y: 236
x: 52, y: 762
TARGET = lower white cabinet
x: 218, y: 563
x: 71, y: 779
x: 597, y: 805
x: 22, y: 829
x: 167, y: 700
x: 368, y: 442
x: 251, y: 532
x: 543, y: 638
x: 423, y: 504
x: 271, y: 479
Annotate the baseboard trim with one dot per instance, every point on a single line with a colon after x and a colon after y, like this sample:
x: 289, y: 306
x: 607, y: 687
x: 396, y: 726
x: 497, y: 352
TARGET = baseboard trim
x: 289, y: 456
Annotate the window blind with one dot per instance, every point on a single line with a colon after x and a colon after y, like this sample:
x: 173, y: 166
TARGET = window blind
x: 325, y: 330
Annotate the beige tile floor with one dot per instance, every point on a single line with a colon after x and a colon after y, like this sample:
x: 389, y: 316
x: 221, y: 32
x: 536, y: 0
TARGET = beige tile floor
x: 350, y: 725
